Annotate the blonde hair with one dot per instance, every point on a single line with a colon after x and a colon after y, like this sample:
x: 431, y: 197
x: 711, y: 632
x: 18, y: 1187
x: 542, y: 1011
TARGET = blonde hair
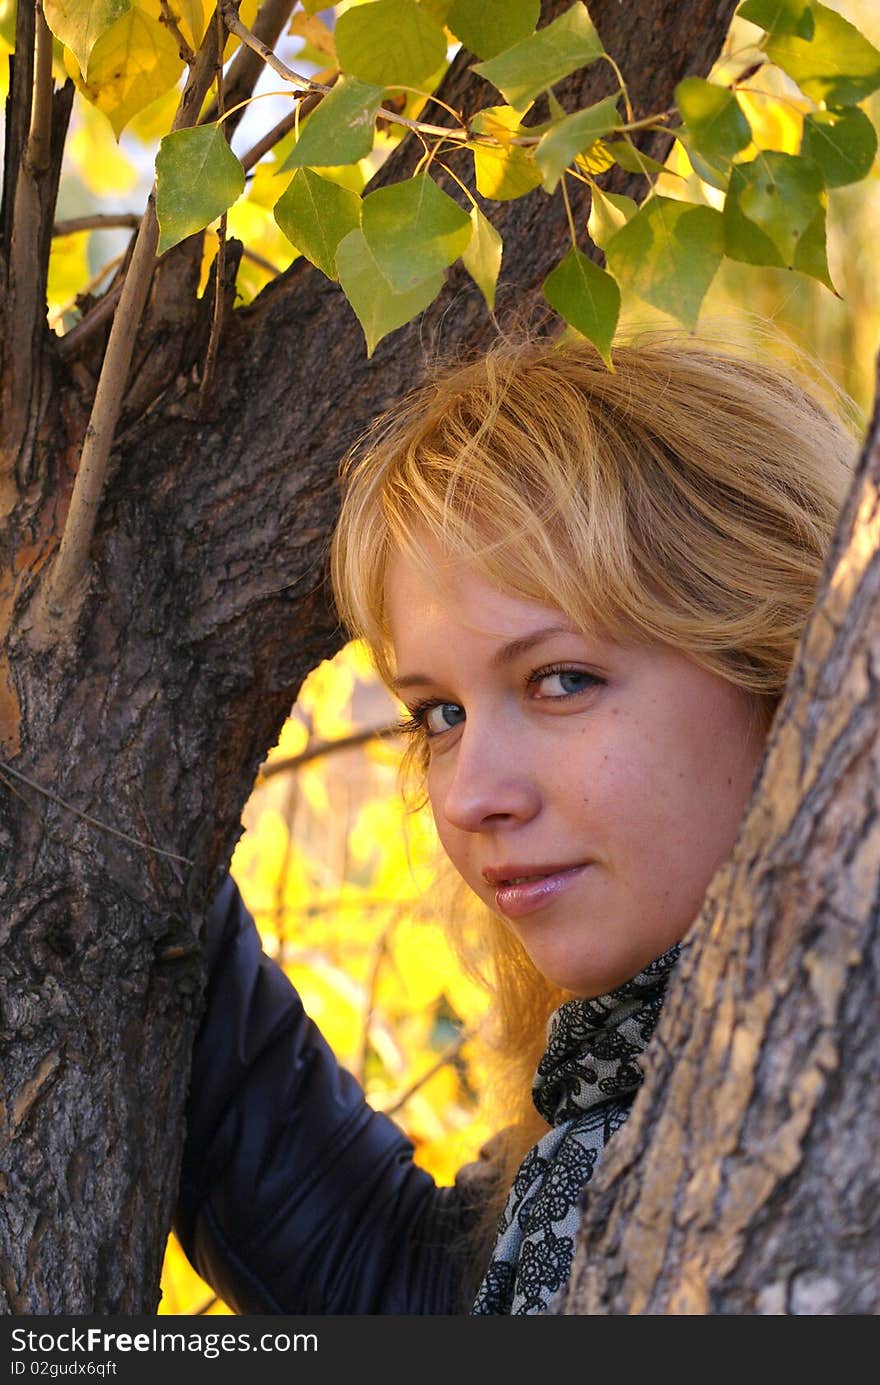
x: 687, y: 498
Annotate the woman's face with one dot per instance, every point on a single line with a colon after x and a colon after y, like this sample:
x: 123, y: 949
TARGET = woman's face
x: 586, y: 791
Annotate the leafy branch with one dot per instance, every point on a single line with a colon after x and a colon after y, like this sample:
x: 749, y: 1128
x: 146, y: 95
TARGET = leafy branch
x: 390, y: 248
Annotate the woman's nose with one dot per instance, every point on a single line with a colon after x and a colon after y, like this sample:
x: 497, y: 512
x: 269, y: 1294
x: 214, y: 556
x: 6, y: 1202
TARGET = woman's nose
x: 489, y: 783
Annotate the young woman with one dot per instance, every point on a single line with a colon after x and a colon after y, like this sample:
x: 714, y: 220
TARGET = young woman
x: 586, y: 586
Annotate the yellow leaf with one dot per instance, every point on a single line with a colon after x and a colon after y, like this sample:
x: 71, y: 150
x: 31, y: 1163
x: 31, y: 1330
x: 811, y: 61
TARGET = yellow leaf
x: 596, y: 159
x: 68, y: 270
x: 155, y: 120
x: 776, y: 125
x: 97, y: 158
x: 78, y: 24
x: 501, y: 122
x: 210, y: 246
x: 503, y: 174
x: 313, y: 29
x: 191, y: 18
x: 132, y: 63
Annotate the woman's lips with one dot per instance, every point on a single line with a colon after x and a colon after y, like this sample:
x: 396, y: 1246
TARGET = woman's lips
x: 515, y: 901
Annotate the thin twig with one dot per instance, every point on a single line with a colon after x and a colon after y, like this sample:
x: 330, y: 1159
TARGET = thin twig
x: 95, y: 822
x: 235, y: 26
x: 39, y: 142
x: 320, y: 748
x: 61, y: 596
x: 260, y: 260
x: 64, y: 587
x: 246, y: 67
x: 98, y: 221
x: 220, y: 259
x: 94, y: 318
x: 172, y: 24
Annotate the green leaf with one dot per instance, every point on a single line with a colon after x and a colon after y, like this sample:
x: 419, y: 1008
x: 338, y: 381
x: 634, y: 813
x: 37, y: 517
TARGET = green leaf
x: 197, y: 179
x: 842, y: 142
x: 632, y: 159
x: 80, y: 23
x: 482, y: 256
x: 522, y: 72
x: 608, y: 212
x: 716, y: 126
x: 316, y: 215
x: 587, y: 297
x: 837, y: 65
x: 780, y: 16
x: 414, y: 230
x: 487, y: 27
x: 575, y: 133
x: 716, y: 175
x: 379, y: 308
x: 811, y: 256
x: 389, y: 43
x: 668, y: 254
x: 340, y: 129
x: 438, y: 10
x: 770, y: 203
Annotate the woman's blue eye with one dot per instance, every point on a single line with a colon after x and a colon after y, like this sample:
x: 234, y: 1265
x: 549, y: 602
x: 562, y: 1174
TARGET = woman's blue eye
x: 564, y: 682
x: 441, y: 717
x: 432, y: 718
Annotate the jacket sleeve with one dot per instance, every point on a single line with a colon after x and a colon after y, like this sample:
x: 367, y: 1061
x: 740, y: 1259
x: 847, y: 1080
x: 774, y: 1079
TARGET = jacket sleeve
x: 296, y: 1196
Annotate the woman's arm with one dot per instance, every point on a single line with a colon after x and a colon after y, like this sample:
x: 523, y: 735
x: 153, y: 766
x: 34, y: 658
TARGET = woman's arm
x: 296, y: 1196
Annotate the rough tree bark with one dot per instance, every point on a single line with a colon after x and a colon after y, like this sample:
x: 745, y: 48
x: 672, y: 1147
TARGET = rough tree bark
x: 150, y: 712
x: 746, y: 1180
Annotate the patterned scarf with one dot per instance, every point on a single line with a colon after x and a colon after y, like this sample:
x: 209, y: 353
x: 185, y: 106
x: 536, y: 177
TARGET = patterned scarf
x: 584, y: 1087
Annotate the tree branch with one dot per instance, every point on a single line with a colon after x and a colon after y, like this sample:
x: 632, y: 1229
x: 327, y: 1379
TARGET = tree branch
x: 61, y: 595
x: 320, y: 748
x: 98, y: 221
x: 25, y: 297
x: 39, y: 145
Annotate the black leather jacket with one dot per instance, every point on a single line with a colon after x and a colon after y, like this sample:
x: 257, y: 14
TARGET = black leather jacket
x: 295, y: 1195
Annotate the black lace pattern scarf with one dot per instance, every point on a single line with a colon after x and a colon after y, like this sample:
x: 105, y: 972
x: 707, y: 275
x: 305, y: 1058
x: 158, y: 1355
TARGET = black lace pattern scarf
x: 584, y: 1087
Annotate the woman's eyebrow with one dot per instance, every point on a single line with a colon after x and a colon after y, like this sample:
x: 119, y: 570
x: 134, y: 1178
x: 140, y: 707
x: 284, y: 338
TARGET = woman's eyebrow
x: 508, y: 652
x: 505, y: 655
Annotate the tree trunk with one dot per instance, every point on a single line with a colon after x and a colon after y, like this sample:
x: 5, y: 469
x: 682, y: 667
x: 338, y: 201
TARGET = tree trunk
x: 130, y: 741
x: 746, y: 1180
